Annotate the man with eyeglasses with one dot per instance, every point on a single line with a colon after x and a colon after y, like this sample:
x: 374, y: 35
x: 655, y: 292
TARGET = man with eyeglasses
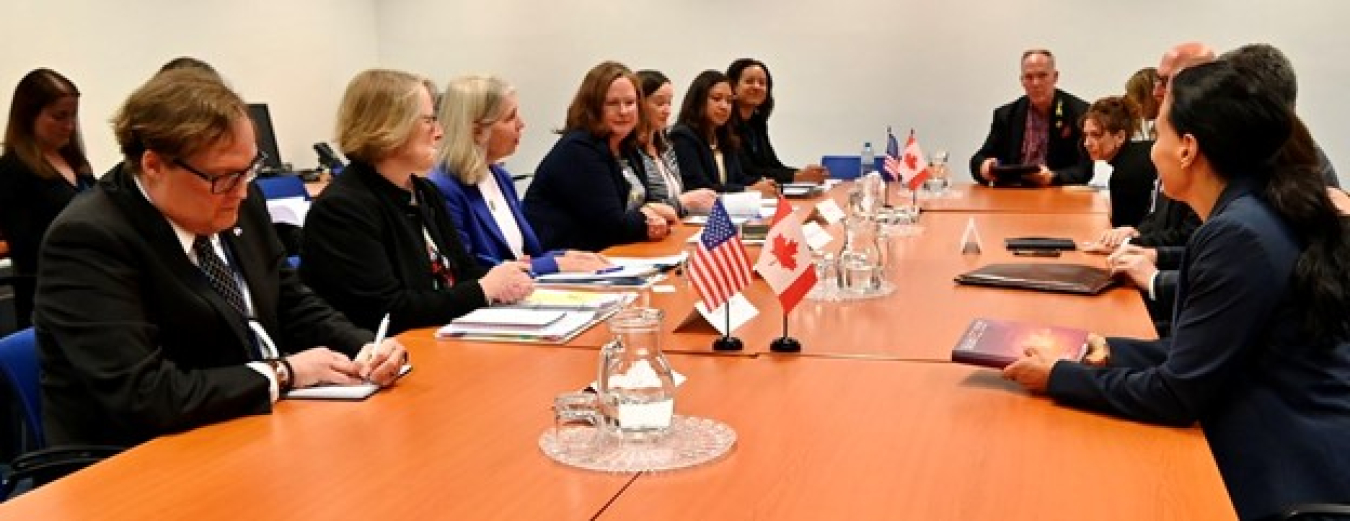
x: 165, y: 300
x: 1037, y: 138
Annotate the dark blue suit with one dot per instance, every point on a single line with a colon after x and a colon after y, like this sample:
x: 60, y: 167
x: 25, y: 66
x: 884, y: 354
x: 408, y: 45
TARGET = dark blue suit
x: 478, y: 229
x: 1274, y: 406
x: 579, y: 198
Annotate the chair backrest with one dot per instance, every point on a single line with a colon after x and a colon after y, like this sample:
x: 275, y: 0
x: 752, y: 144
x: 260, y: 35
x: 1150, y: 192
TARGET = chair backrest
x: 19, y: 363
x: 282, y: 186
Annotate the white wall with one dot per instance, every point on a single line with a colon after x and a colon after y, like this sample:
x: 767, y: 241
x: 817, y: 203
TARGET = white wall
x: 295, y: 55
x: 845, y: 69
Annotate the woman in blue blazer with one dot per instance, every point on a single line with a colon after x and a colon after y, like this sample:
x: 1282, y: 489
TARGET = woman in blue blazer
x: 706, y: 147
x: 1260, y: 348
x: 589, y: 192
x: 482, y: 122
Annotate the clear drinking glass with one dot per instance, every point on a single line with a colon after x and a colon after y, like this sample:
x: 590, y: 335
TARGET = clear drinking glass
x: 578, y: 424
x: 938, y: 180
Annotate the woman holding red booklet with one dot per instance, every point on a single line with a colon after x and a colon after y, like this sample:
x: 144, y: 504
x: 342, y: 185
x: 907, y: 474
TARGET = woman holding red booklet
x: 1259, y: 353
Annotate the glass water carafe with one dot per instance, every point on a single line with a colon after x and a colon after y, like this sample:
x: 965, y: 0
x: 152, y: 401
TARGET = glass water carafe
x: 861, y: 262
x: 637, y: 389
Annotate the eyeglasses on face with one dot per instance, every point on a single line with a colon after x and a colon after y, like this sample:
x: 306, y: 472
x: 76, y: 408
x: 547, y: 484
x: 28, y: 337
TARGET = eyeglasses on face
x: 226, y: 182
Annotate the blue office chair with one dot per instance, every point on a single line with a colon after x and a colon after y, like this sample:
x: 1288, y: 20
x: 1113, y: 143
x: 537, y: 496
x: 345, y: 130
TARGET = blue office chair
x: 282, y: 186
x: 39, y: 464
x: 18, y: 363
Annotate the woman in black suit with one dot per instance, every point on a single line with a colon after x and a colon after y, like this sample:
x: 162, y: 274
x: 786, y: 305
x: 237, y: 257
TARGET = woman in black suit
x: 1260, y: 349
x: 1139, y: 209
x: 707, y: 149
x: 1106, y: 136
x: 589, y: 192
x: 378, y: 239
x: 42, y: 169
x: 752, y: 84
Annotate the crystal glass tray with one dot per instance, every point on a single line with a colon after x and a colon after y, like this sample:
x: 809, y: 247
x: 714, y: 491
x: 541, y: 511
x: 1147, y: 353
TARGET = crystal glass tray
x: 691, y: 441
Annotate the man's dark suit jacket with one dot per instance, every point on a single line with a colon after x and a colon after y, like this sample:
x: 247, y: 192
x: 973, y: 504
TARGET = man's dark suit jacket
x: 132, y: 340
x: 1064, y: 153
x: 579, y: 198
x: 1272, y: 403
x: 698, y: 168
x: 365, y: 253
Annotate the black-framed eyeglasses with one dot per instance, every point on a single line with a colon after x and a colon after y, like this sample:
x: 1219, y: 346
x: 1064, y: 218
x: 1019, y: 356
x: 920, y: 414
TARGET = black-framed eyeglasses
x: 226, y: 182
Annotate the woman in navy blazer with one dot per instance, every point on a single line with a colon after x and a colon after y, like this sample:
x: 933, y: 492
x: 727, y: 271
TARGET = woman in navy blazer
x: 1260, y: 348
x: 706, y: 148
x: 589, y: 192
x: 482, y: 122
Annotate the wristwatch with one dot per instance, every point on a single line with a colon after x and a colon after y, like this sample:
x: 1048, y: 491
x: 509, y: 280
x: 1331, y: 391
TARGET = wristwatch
x: 282, y: 369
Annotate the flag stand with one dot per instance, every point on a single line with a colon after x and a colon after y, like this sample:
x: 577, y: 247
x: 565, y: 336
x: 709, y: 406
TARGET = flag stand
x: 728, y: 342
x: 785, y: 343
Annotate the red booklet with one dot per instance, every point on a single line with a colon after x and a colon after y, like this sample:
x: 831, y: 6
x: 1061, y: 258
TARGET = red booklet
x: 996, y: 343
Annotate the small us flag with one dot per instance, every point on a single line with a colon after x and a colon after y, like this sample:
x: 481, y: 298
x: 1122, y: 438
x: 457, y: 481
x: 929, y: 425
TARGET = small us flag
x: 720, y: 267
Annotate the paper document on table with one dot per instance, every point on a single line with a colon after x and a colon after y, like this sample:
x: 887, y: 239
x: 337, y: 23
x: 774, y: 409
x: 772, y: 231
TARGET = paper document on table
x: 560, y: 299
x: 741, y: 312
x: 660, y: 262
x: 743, y: 204
x: 816, y: 236
x: 830, y: 211
x: 510, y: 317
x: 340, y: 392
x: 288, y: 210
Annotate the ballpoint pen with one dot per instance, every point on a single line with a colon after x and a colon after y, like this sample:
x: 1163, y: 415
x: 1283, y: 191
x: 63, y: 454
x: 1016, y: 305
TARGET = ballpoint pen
x: 379, y: 336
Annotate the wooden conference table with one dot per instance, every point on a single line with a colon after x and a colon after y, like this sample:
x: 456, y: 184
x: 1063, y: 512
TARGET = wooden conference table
x: 819, y: 437
x: 927, y: 313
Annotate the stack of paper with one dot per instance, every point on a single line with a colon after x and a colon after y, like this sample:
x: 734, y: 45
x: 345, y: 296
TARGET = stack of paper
x: 549, y: 320
x: 571, y: 300
x: 634, y: 276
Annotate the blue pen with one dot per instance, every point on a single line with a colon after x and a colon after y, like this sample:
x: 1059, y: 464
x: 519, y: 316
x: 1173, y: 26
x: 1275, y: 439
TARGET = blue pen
x: 610, y: 269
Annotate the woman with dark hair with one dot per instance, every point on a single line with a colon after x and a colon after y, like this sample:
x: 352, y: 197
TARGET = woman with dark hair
x: 658, y: 156
x: 1260, y: 348
x: 753, y: 87
x: 589, y: 192
x: 706, y: 147
x: 43, y: 167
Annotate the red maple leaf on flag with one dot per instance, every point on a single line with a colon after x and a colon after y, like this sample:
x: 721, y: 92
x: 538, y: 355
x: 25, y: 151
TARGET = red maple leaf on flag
x: 785, y: 251
x: 912, y: 161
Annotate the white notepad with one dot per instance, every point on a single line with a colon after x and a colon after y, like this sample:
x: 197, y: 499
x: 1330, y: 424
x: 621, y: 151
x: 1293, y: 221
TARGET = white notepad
x: 355, y: 392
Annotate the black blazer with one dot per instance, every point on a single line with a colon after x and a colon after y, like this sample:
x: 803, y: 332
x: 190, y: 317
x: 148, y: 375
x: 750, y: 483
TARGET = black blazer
x: 1171, y: 223
x: 757, y: 156
x: 134, y: 343
x: 1273, y: 404
x: 365, y: 253
x: 1064, y: 155
x: 1132, y: 180
x: 698, y: 169
x: 579, y: 198
x: 28, y: 204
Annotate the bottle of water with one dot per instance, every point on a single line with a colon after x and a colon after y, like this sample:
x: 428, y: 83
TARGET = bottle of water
x: 869, y: 159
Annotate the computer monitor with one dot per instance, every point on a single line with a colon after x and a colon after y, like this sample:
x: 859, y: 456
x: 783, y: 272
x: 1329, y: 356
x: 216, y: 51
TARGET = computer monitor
x: 267, y: 141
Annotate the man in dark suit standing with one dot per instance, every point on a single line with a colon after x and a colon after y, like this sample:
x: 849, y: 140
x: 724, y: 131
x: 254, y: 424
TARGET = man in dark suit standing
x: 164, y: 298
x: 1040, y: 130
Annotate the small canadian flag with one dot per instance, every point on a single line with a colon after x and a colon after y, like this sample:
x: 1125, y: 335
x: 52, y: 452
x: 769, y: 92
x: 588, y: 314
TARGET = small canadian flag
x: 785, y: 260
x: 910, y: 167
